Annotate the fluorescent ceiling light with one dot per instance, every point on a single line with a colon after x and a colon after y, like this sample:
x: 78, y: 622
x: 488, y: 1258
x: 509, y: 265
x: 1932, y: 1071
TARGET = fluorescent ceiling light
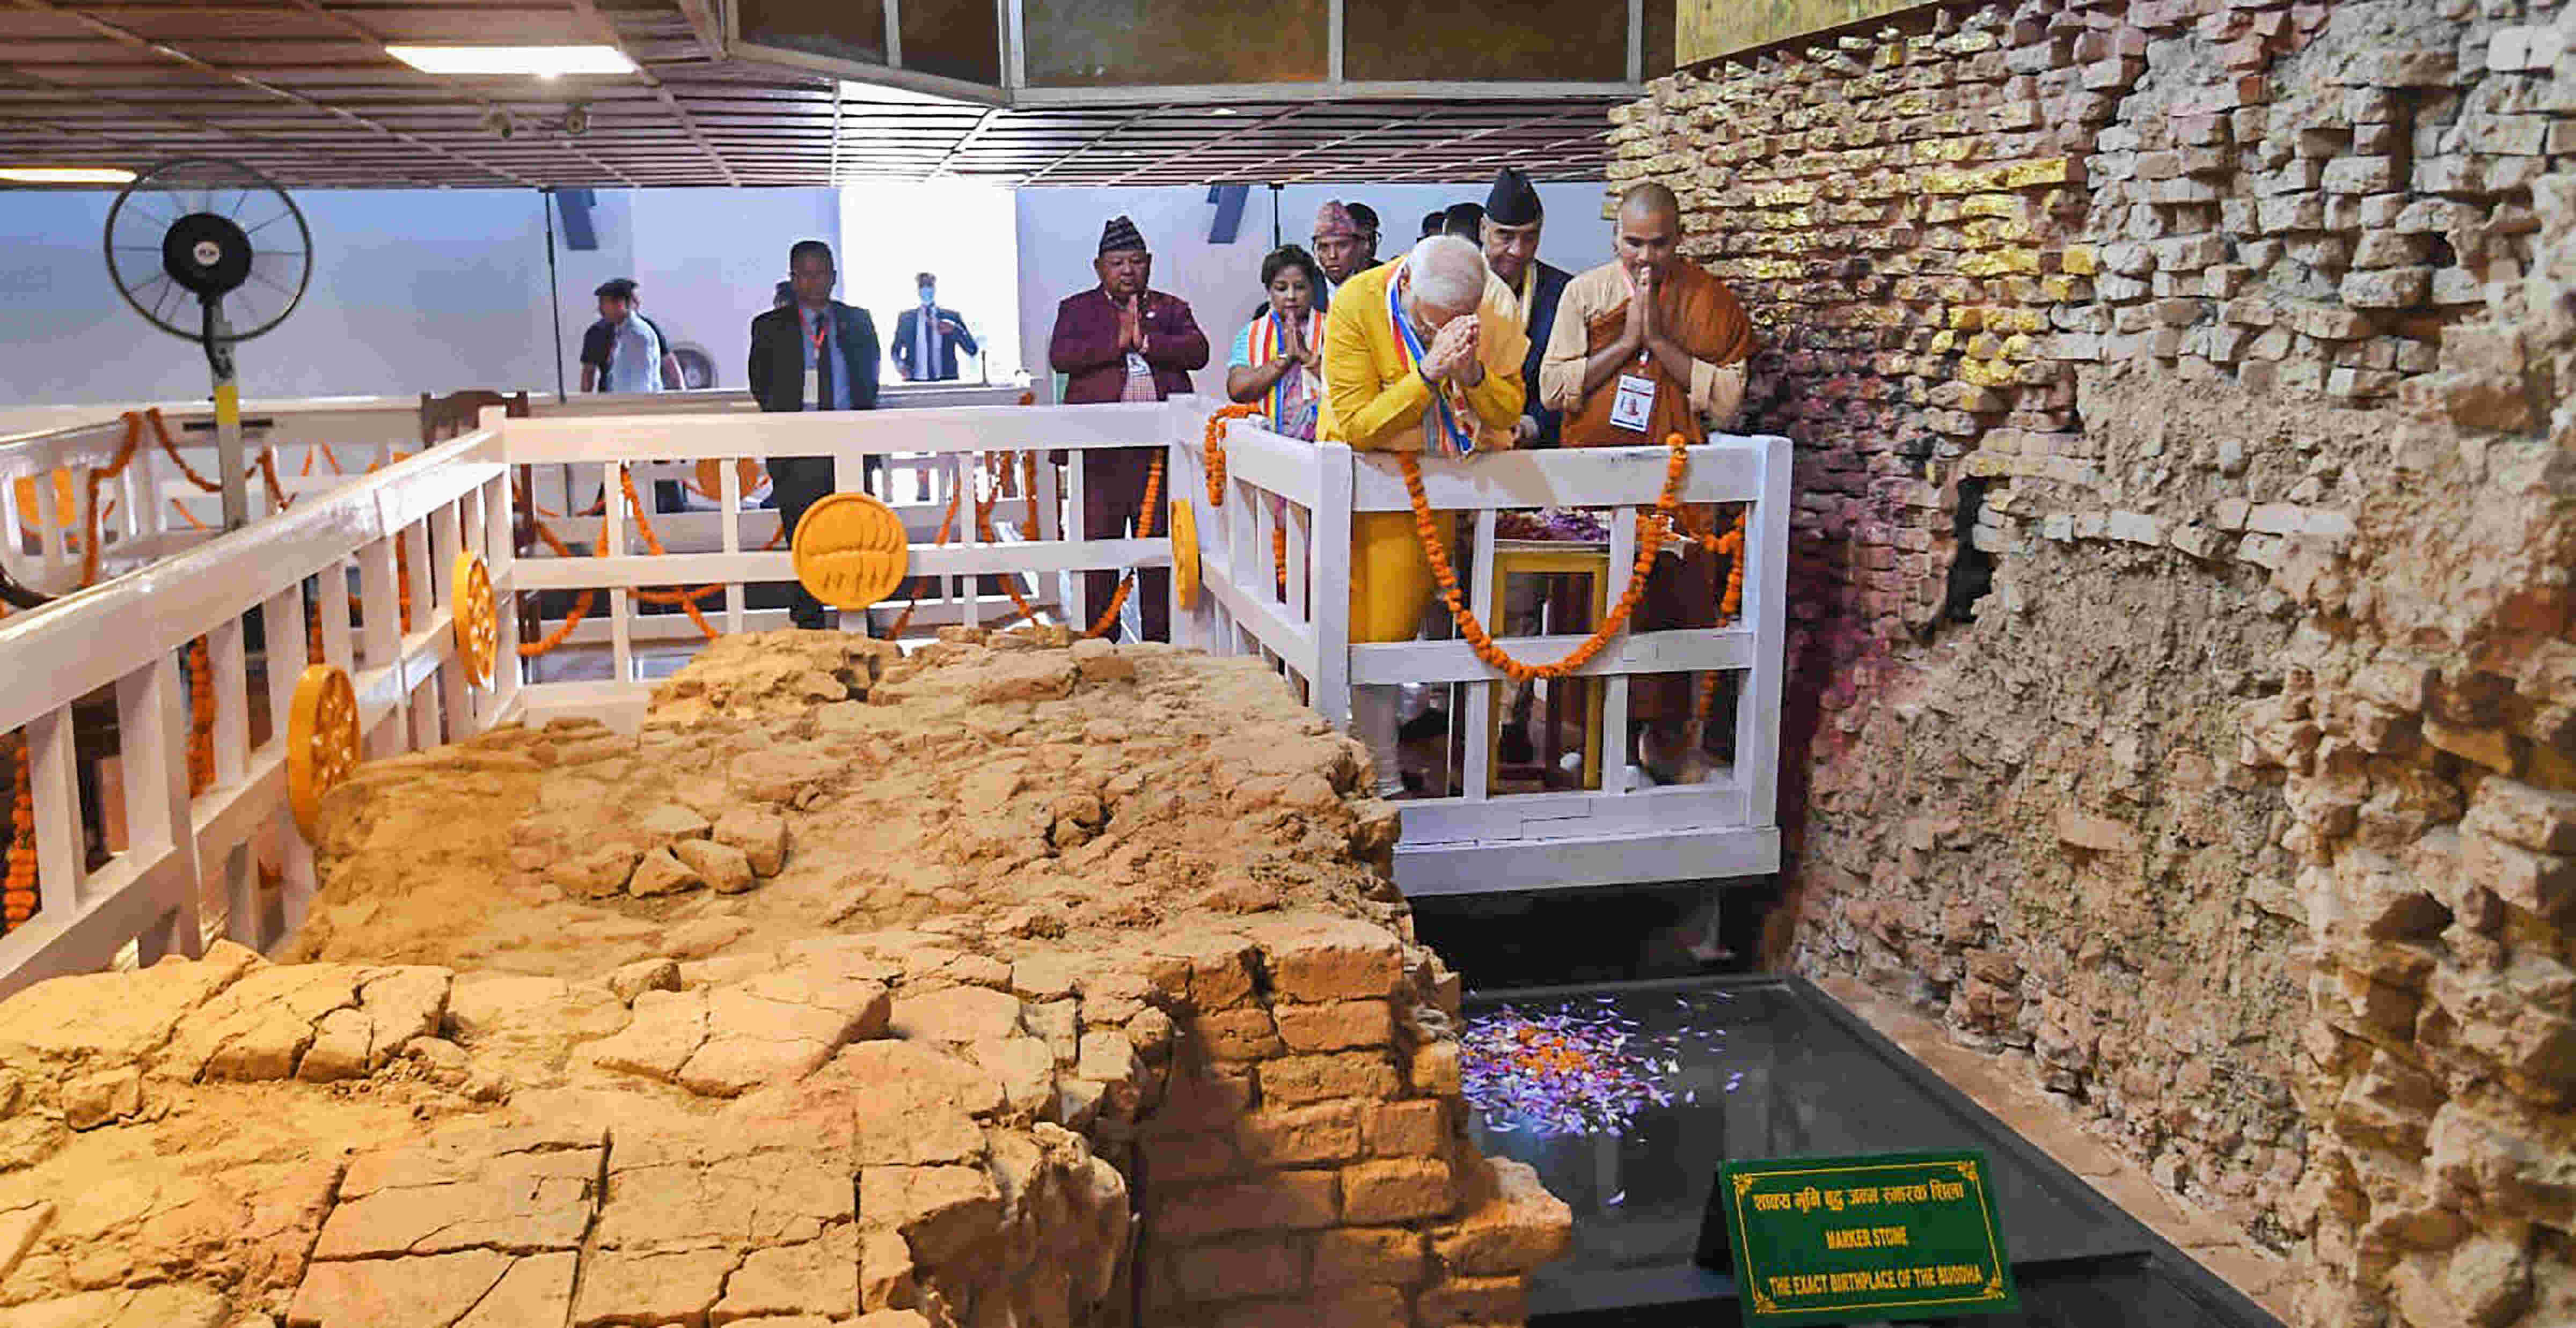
x: 66, y: 175
x: 542, y: 61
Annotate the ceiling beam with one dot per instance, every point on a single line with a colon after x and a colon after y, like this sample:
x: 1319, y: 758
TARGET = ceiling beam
x: 701, y: 16
x: 987, y: 120
x: 128, y: 37
x: 589, y: 11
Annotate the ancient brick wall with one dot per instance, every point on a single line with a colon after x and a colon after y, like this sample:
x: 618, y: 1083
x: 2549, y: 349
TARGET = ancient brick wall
x: 2185, y: 703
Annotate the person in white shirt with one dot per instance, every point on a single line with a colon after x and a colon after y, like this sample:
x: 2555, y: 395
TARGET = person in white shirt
x: 625, y: 351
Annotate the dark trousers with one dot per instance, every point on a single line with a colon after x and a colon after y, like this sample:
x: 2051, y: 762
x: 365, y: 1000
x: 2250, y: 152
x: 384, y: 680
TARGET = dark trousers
x: 1678, y: 594
x: 1113, y: 497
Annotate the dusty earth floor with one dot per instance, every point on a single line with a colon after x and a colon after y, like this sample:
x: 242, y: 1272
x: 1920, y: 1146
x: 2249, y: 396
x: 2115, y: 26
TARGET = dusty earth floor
x: 852, y: 989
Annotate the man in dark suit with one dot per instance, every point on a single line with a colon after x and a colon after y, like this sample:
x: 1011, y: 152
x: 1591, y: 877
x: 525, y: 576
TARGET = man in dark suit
x: 1513, y: 218
x: 1120, y: 341
x: 927, y: 339
x: 813, y: 354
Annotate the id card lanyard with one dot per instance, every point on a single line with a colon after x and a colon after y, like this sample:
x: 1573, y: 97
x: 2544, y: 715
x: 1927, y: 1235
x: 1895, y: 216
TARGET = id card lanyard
x: 814, y: 370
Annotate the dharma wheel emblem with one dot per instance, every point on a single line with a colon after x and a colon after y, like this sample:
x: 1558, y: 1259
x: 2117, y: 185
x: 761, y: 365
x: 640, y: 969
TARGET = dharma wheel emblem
x: 850, y: 550
x: 321, y: 741
x: 477, y: 619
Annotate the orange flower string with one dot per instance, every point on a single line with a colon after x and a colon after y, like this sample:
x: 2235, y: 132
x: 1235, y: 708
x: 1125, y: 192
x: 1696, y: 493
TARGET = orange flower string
x: 1144, y: 530
x: 89, y: 529
x: 18, y: 898
x: 201, y: 719
x: 1279, y: 557
x: 686, y: 599
x: 1650, y: 536
x: 1239, y: 410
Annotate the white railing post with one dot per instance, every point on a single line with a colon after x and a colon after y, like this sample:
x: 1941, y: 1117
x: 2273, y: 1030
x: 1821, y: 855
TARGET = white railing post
x: 1478, y: 766
x: 1614, y: 688
x: 729, y: 527
x: 446, y: 541
x: 380, y: 618
x: 621, y: 633
x: 1332, y: 593
x: 151, y: 724
x: 1766, y: 607
x: 62, y: 849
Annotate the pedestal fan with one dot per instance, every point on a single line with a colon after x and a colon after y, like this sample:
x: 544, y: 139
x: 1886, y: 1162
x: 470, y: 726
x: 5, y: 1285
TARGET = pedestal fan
x: 219, y: 234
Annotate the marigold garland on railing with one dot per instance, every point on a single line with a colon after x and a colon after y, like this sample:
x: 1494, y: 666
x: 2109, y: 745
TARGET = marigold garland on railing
x: 201, y: 719
x: 18, y: 896
x: 1215, y: 448
x: 90, y: 535
x: 1650, y: 535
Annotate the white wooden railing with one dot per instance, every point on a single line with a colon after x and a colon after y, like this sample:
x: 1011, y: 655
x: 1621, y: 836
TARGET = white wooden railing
x: 731, y: 546
x: 1478, y: 840
x: 185, y: 855
x: 220, y: 860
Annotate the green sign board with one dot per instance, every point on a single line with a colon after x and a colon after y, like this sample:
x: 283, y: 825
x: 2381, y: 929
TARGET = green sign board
x: 1895, y: 1235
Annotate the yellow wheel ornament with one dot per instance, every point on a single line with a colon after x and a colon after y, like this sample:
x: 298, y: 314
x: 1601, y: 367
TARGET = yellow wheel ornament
x: 1185, y: 552
x: 477, y: 617
x: 321, y: 741
x: 850, y: 551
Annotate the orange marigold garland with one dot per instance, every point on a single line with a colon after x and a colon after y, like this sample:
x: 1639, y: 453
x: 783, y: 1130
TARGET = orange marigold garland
x: 1279, y: 558
x: 1239, y: 410
x: 1650, y: 537
x: 18, y: 899
x: 90, y: 536
x: 201, y: 719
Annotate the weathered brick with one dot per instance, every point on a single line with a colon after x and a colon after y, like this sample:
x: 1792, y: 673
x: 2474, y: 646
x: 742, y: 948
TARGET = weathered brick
x: 1295, y: 1136
x: 1397, y: 1190
x: 1239, y: 1269
x: 1291, y: 1080
x: 1391, y: 1256
x: 1416, y: 1127
x: 1237, y: 1035
x: 1284, y: 1200
x: 1336, y: 1027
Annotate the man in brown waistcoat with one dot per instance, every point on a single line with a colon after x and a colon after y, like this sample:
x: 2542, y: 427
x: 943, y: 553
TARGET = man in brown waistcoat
x: 1645, y: 346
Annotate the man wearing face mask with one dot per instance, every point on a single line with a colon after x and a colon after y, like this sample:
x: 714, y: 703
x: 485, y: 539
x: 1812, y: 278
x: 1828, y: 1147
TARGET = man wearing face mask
x: 928, y: 339
x: 1120, y: 341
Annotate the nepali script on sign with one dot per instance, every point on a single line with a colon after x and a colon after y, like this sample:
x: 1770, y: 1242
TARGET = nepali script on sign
x: 1827, y: 1239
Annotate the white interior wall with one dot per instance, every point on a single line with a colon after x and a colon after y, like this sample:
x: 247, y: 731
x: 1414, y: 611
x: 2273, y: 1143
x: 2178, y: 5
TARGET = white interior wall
x: 435, y: 290
x: 412, y: 290
x: 959, y: 231
x: 1060, y: 235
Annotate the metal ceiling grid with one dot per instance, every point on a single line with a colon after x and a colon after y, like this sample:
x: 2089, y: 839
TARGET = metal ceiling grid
x: 304, y: 91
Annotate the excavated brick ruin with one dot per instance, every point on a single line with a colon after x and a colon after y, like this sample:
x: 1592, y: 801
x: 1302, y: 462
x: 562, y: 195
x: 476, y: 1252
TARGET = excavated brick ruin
x: 2183, y: 687
x: 1007, y: 984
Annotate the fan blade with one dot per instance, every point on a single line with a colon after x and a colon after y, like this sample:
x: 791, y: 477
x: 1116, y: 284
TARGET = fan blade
x: 268, y: 223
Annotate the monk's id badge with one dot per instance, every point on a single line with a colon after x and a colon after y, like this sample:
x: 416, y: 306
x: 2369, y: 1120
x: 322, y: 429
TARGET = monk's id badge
x: 1635, y: 403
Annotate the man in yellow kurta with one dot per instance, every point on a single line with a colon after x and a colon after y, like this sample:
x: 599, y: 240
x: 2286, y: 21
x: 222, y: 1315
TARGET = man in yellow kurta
x: 1420, y: 355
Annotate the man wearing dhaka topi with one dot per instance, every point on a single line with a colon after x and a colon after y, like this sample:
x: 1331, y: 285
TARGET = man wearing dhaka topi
x: 1120, y: 341
x: 1646, y: 346
x: 1420, y: 355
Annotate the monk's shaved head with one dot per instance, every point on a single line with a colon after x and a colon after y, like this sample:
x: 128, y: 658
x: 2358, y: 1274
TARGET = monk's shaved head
x: 1649, y: 231
x: 1650, y: 200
